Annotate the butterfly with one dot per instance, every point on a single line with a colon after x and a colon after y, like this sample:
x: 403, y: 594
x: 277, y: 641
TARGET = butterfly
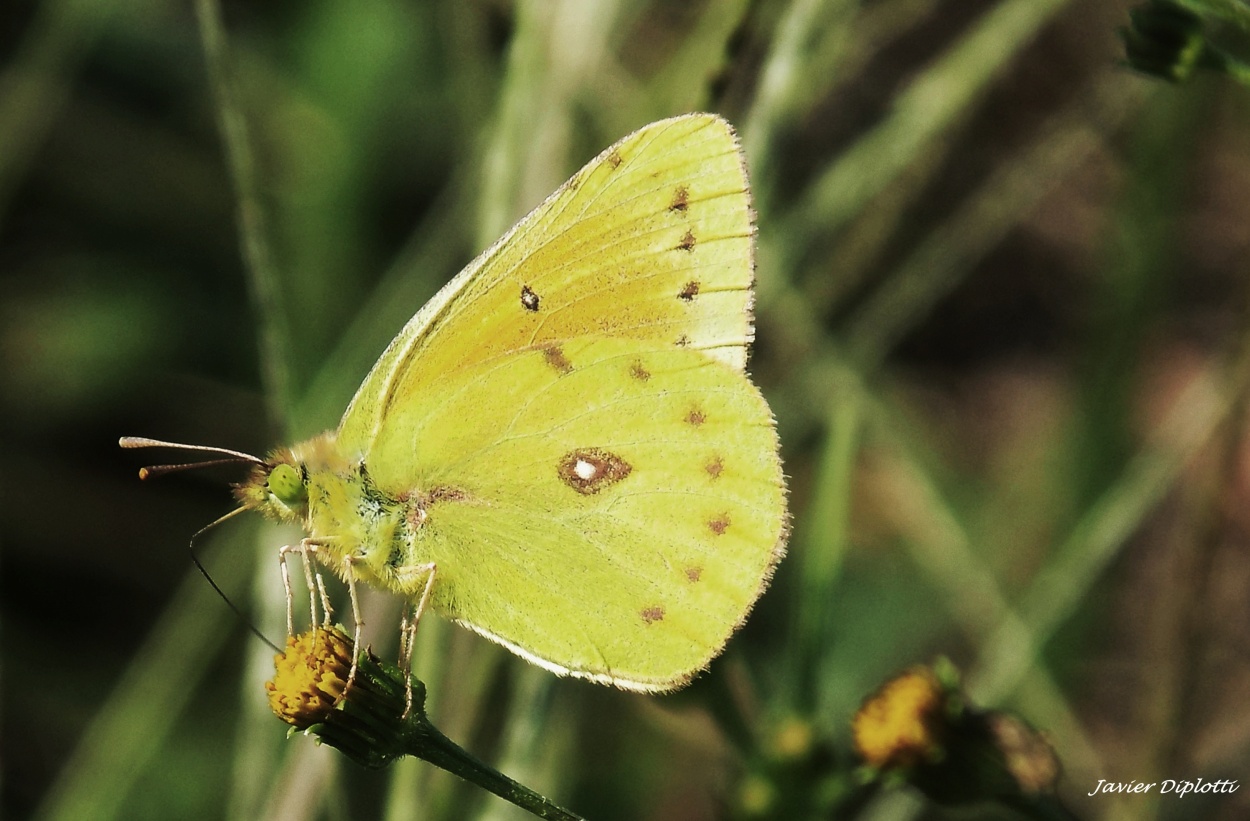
x: 562, y: 451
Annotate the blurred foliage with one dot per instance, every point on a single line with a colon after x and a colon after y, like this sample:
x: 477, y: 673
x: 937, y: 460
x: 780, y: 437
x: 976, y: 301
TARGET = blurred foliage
x: 1170, y: 40
x: 1002, y: 322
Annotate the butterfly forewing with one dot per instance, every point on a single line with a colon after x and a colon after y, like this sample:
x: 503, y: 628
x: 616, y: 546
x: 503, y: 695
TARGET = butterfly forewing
x: 651, y: 241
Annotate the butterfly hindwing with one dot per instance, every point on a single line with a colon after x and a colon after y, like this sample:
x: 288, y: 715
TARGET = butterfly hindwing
x: 613, y: 514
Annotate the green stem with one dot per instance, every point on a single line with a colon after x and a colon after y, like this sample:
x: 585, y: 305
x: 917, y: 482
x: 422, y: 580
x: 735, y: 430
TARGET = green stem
x: 1222, y: 61
x: 1236, y: 12
x: 253, y: 234
x: 378, y: 721
x: 428, y: 744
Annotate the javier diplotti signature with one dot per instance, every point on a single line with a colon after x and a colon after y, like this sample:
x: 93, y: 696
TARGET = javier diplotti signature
x: 1168, y: 786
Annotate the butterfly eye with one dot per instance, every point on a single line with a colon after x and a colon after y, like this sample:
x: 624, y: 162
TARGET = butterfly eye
x: 286, y: 484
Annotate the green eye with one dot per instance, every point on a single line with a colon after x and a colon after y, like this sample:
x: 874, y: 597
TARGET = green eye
x: 286, y: 484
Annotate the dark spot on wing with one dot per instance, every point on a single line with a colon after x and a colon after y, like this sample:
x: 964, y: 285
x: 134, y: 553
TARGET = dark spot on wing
x: 529, y: 299
x: 690, y: 291
x: 637, y: 371
x: 590, y: 470
x: 694, y: 573
x: 652, y: 614
x: 681, y: 199
x: 719, y: 525
x: 715, y: 467
x: 687, y: 241
x: 614, y: 159
x: 555, y: 357
x: 696, y: 417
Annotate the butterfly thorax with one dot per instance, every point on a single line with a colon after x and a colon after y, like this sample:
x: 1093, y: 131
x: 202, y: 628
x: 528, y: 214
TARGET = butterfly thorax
x: 346, y: 516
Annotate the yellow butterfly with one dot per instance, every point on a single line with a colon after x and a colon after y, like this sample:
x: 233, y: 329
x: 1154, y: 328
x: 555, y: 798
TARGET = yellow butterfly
x: 561, y: 451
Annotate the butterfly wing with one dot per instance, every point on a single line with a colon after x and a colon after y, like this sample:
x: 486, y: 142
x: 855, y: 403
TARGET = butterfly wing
x: 599, y: 481
x: 652, y: 240
x: 604, y: 507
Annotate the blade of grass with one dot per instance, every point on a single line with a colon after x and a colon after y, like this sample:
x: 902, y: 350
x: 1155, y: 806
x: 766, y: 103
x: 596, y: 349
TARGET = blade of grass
x: 553, y: 47
x: 274, y: 332
x: 263, y: 279
x: 1231, y: 11
x: 256, y: 751
x: 949, y: 252
x: 809, y: 39
x: 1012, y: 650
x: 922, y: 113
x: 35, y: 85
x: 299, y: 787
x: 821, y: 544
x: 683, y: 83
x: 128, y: 733
x: 532, y: 749
x: 427, y: 260
x: 840, y: 57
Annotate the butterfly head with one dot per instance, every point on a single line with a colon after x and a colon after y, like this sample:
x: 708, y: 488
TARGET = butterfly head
x: 278, y: 488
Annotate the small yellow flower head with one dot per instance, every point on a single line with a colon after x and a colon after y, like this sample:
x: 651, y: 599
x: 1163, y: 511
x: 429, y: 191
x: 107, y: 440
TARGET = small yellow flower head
x: 1026, y: 753
x: 920, y: 729
x: 757, y: 797
x: 379, y: 718
x: 793, y: 740
x: 899, y: 725
x: 310, y: 676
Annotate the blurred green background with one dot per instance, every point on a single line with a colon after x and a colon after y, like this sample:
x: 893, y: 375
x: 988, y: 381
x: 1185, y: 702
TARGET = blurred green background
x: 1002, y: 321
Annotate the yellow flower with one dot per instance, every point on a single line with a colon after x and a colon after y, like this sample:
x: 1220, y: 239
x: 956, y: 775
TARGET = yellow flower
x: 310, y: 676
x: 380, y: 718
x: 898, y: 726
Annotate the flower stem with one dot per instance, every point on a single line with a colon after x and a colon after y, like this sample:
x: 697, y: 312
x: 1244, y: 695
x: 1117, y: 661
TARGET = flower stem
x: 428, y: 744
x: 374, y: 713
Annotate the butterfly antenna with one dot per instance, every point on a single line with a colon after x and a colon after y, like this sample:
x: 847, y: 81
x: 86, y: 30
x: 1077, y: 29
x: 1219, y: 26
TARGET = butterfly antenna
x: 204, y: 571
x: 229, y: 457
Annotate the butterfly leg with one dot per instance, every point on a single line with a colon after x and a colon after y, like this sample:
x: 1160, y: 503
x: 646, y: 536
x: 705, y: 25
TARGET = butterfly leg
x: 316, y: 587
x: 349, y: 573
x: 286, y: 588
x: 408, y: 626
